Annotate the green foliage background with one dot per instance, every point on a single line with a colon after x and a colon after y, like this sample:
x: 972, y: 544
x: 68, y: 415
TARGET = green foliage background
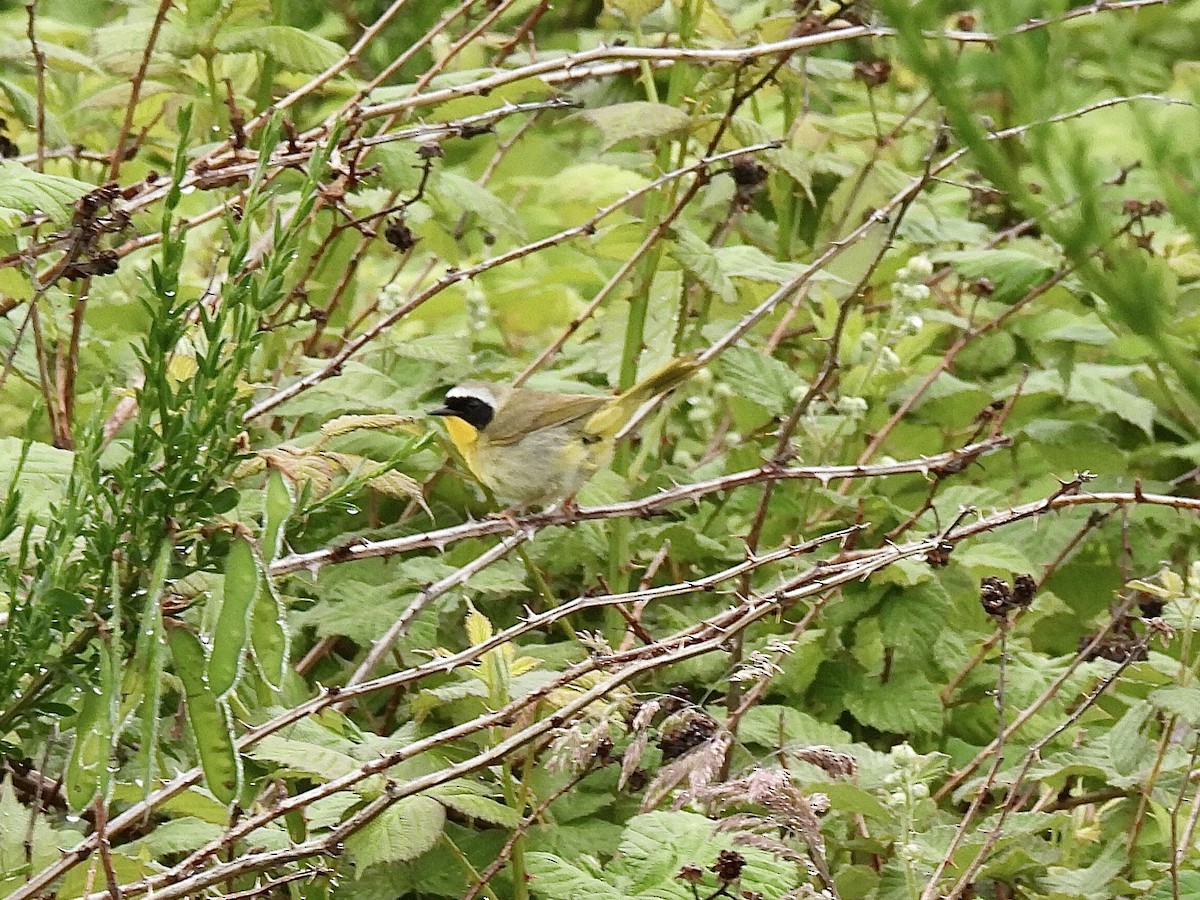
x: 952, y: 224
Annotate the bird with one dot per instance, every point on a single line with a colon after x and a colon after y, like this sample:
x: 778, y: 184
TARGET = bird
x: 538, y: 448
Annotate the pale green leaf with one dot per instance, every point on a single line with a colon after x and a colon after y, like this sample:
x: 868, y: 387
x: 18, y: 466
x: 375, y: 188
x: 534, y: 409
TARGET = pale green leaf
x: 762, y: 379
x: 1011, y: 272
x: 905, y: 703
x: 292, y: 49
x: 402, y: 832
x: 700, y: 261
x: 470, y: 799
x: 1179, y: 700
x: 29, y: 191
x: 638, y: 119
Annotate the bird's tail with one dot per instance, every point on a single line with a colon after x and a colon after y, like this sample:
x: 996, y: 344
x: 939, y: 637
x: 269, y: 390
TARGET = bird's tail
x: 611, y: 417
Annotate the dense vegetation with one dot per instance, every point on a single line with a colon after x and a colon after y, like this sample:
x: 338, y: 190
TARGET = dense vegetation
x: 897, y: 597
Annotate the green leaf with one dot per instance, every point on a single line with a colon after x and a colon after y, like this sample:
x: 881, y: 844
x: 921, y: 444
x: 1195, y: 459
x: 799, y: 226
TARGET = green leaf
x: 1180, y: 701
x: 29, y: 191
x: 1090, y: 881
x: 1128, y: 749
x: 996, y: 555
x: 402, y: 832
x: 88, y: 762
x: 1094, y: 384
x: 299, y: 757
x: 557, y: 879
x: 764, y: 725
x: 292, y: 49
x: 699, y: 260
x: 465, y: 195
x: 743, y: 261
x: 470, y: 799
x: 638, y: 119
x: 1011, y: 272
x: 908, y: 702
x: 761, y: 379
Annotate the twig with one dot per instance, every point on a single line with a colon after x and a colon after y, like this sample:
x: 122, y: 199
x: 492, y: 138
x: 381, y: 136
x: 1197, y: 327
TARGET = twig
x: 1034, y: 753
x: 268, y: 886
x: 702, y: 638
x: 522, y: 828
x: 100, y: 811
x: 39, y: 69
x: 442, y: 537
x: 118, y: 154
x: 426, y: 596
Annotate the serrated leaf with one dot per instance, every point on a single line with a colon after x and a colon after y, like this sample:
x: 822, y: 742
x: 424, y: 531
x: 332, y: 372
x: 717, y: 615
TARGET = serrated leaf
x: 1092, y: 880
x: 1128, y: 748
x: 468, y: 196
x: 292, y: 49
x: 558, y: 879
x: 398, y: 485
x: 29, y: 191
x: 347, y: 424
x: 1093, y: 384
x: 433, y: 698
x: 761, y: 379
x: 470, y: 799
x: 638, y: 119
x: 399, y: 165
x: 303, y: 758
x: 994, y: 555
x: 905, y: 703
x: 301, y: 466
x: 402, y: 832
x: 744, y: 261
x: 1011, y: 272
x: 1180, y: 701
x: 58, y: 57
x: 699, y: 260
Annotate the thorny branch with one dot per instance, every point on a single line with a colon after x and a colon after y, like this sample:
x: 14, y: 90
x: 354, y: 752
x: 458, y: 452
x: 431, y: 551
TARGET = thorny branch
x: 704, y: 637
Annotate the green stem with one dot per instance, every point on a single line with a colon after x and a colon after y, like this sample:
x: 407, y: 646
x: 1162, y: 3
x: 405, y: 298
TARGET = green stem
x: 517, y: 857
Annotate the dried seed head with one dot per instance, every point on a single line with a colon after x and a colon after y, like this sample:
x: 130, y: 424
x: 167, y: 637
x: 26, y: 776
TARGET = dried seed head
x: 1024, y: 587
x: 728, y: 866
x: 995, y: 596
x: 982, y: 287
x: 873, y: 72
x: 399, y: 235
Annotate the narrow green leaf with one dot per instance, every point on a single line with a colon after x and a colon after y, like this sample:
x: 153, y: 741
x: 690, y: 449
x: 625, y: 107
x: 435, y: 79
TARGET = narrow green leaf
x: 89, y: 757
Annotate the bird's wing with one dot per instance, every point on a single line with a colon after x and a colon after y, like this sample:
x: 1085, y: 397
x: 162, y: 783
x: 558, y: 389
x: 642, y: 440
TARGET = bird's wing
x: 546, y: 410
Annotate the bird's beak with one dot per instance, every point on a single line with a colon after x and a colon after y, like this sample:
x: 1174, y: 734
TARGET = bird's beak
x: 442, y: 411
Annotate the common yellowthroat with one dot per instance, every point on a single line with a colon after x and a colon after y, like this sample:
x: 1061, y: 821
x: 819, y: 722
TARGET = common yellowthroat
x: 537, y: 447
